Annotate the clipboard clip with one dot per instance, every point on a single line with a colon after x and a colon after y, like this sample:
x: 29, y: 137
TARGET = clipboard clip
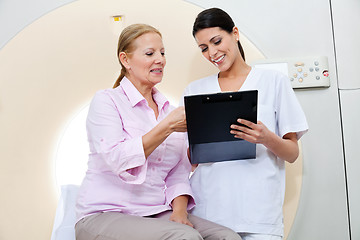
x: 220, y: 97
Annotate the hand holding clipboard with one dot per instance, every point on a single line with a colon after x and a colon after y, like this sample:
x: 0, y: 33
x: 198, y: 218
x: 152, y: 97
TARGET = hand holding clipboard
x: 209, y: 117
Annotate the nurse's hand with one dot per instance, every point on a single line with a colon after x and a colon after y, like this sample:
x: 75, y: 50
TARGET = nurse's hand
x: 193, y: 166
x: 251, y: 132
x: 285, y: 148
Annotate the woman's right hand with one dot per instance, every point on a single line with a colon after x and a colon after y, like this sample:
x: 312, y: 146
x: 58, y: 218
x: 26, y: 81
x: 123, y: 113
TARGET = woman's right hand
x: 177, y: 120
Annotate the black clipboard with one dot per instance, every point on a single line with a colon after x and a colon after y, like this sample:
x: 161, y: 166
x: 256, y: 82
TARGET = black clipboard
x: 208, y: 118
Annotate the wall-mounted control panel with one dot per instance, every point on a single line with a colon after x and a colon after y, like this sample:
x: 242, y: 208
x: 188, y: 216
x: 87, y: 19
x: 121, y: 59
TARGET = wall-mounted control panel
x: 306, y: 72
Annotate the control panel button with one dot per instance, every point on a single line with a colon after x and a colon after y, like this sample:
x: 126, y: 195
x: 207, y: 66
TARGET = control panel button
x: 298, y: 64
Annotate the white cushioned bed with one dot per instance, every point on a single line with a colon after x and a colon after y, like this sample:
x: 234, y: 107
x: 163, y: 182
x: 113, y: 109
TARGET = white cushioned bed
x: 63, y: 228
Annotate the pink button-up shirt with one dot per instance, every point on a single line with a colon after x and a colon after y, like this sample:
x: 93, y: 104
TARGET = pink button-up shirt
x: 119, y: 177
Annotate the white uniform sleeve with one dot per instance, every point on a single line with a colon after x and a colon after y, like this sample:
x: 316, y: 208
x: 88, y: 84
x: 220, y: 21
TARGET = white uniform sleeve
x: 289, y: 114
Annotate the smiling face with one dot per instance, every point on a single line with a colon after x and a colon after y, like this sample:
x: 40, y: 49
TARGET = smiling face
x: 145, y: 64
x: 219, y: 47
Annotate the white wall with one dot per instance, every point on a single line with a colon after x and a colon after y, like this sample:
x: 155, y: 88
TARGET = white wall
x: 347, y: 38
x: 15, y: 15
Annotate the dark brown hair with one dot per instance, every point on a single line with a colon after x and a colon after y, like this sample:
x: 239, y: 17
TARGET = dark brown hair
x: 215, y: 17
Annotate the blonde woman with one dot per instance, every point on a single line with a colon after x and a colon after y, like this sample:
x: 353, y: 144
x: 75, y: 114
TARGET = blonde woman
x: 137, y: 184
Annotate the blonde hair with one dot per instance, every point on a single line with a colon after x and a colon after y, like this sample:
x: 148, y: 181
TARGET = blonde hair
x: 126, y: 40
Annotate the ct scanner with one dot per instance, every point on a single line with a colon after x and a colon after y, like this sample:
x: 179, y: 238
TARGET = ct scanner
x: 54, y: 55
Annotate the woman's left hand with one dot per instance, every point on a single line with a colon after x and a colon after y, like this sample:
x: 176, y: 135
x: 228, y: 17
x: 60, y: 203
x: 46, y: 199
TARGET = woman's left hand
x: 180, y: 217
x: 251, y: 132
x: 285, y: 148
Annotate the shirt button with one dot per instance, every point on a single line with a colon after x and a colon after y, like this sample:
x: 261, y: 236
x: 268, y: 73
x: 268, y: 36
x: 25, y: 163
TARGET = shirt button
x: 159, y: 159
